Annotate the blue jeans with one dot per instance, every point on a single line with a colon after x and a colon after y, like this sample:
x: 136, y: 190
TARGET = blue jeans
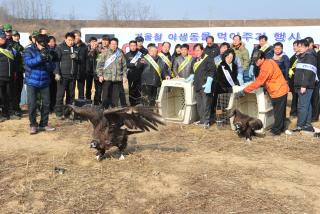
x: 304, y: 108
x: 32, y: 93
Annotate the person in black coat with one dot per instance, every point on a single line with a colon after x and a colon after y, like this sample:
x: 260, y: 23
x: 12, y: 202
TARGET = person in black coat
x: 154, y: 71
x: 93, y: 52
x: 6, y: 71
x: 65, y: 72
x: 82, y: 50
x: 226, y: 78
x: 292, y: 69
x: 212, y: 49
x: 203, y: 71
x: 133, y: 58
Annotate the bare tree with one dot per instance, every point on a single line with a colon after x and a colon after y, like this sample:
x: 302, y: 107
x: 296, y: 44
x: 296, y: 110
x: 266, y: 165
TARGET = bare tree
x: 125, y: 10
x: 29, y: 9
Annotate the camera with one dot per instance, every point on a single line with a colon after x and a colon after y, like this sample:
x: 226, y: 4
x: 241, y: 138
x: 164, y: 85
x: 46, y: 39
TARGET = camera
x: 46, y: 54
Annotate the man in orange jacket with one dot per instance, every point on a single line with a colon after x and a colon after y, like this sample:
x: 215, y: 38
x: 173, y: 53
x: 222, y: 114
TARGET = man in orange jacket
x: 272, y: 79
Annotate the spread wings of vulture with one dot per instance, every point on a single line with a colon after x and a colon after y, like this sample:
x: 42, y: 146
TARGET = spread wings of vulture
x: 113, y: 126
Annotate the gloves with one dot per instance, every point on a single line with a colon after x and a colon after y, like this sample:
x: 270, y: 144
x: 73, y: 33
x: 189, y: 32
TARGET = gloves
x: 251, y: 73
x: 190, y: 78
x: 239, y: 94
x: 207, y: 86
x: 57, y: 77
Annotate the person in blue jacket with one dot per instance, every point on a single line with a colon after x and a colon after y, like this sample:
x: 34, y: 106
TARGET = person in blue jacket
x: 38, y: 66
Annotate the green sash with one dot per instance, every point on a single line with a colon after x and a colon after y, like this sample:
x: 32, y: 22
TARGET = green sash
x: 7, y: 53
x: 167, y: 61
x: 154, y: 65
x: 197, y: 64
x: 184, y: 63
x: 265, y: 47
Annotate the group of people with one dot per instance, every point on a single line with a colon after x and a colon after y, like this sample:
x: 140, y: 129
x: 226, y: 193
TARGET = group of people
x: 53, y: 72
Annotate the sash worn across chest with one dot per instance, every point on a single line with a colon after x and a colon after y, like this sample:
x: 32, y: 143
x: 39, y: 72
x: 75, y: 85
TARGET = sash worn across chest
x: 111, y: 59
x: 154, y: 64
x: 228, y: 76
x: 136, y: 57
x: 7, y: 53
x: 166, y: 60
x: 197, y: 64
x: 186, y: 61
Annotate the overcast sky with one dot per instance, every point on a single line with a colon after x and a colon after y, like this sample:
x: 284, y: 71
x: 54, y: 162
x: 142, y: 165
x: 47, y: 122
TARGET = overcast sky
x: 202, y: 9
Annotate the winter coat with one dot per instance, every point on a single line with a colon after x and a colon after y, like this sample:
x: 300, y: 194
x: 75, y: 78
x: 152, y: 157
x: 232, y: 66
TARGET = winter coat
x: 65, y: 66
x: 221, y: 83
x: 150, y: 76
x: 187, y: 69
x: 243, y: 54
x: 7, y: 65
x: 81, y: 62
x: 306, y: 70
x: 134, y: 69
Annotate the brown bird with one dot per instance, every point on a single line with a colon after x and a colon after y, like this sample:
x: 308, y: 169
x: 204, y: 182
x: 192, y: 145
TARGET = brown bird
x: 113, y: 126
x: 244, y: 124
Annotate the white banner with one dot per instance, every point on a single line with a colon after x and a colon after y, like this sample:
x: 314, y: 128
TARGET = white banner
x: 286, y: 35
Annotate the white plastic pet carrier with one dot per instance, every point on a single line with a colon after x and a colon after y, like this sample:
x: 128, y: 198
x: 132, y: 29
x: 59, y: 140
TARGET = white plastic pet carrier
x: 257, y: 104
x: 176, y: 101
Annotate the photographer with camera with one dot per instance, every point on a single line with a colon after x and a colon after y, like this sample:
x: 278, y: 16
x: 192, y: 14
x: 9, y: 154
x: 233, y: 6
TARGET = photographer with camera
x: 38, y: 65
x: 65, y: 73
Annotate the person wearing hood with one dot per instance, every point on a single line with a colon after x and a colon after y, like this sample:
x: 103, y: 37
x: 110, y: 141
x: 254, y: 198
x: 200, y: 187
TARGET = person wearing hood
x: 133, y: 58
x: 65, y: 73
x: 112, y: 73
x: 154, y: 71
x: 305, y: 78
x: 212, y: 49
x: 281, y: 59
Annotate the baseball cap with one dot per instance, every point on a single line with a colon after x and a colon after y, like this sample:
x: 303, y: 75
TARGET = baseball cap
x: 15, y: 33
x: 7, y: 27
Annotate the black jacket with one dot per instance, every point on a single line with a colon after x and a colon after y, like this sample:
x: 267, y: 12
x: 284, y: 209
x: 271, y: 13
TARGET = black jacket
x: 134, y: 69
x: 81, y: 62
x: 65, y: 66
x: 206, y: 69
x: 91, y: 62
x: 149, y: 75
x: 6, y: 65
x: 212, y: 51
x: 143, y: 50
x: 305, y: 74
x: 221, y: 84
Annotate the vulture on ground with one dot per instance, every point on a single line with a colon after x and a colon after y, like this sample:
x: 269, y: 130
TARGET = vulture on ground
x: 113, y: 126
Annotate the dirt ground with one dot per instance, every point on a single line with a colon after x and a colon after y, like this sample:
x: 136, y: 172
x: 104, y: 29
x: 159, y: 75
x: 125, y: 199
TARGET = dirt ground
x: 180, y: 169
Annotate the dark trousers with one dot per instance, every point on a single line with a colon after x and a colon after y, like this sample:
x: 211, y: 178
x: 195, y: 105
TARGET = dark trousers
x: 112, y: 89
x: 204, y: 102
x: 98, y: 92
x: 16, y: 85
x: 294, y: 104
x: 64, y: 86
x: 4, y: 97
x: 53, y: 92
x: 279, y: 111
x: 315, y: 102
x: 80, y: 86
x: 134, y: 92
x: 304, y: 108
x: 32, y: 93
x: 89, y: 81
x: 123, y: 101
x: 149, y: 95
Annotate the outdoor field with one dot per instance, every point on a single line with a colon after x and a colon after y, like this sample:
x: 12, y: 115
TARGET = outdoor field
x: 180, y: 169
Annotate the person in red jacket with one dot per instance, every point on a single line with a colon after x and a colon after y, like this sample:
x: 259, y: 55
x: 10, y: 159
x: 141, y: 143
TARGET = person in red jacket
x: 272, y: 79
